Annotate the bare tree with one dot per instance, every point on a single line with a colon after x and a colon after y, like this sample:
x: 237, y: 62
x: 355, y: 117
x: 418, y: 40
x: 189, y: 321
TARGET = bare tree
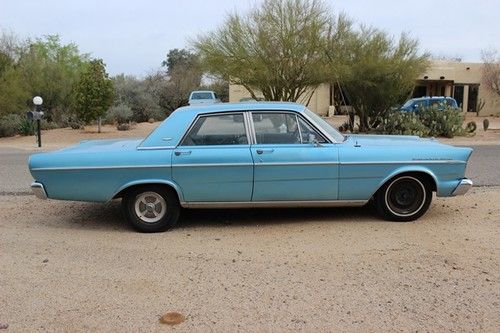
x: 491, y: 70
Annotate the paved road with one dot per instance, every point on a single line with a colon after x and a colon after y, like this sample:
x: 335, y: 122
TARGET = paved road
x: 483, y: 169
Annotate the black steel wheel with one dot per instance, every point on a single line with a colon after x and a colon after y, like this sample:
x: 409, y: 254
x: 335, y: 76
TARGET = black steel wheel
x: 404, y: 198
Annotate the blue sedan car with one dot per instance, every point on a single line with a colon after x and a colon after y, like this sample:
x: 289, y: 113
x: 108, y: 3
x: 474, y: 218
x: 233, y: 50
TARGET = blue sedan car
x: 252, y: 155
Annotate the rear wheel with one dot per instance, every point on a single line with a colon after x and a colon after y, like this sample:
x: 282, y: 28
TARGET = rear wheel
x: 404, y: 198
x: 151, y: 208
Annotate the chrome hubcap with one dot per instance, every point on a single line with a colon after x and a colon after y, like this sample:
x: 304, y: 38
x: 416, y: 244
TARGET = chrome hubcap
x: 150, y: 207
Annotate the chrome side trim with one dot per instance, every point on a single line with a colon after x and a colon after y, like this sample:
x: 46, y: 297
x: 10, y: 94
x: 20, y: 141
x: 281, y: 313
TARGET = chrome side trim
x: 294, y: 163
x: 275, y: 204
x: 198, y: 165
x: 39, y: 190
x: 462, y: 187
x: 406, y: 162
x: 103, y: 167
x: 155, y: 148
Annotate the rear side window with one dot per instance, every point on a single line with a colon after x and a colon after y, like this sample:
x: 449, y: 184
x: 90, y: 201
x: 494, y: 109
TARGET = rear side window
x: 227, y: 129
x: 276, y: 128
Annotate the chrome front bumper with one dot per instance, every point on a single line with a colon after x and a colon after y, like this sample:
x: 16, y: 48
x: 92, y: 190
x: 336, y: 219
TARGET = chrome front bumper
x: 462, y: 188
x: 38, y: 190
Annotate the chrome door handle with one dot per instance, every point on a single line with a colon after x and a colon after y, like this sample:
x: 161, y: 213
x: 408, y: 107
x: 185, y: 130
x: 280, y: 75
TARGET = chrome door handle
x: 264, y: 151
x: 182, y: 152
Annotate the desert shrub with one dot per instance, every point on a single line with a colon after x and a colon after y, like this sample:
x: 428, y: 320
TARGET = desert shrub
x: 120, y: 114
x: 425, y: 122
x: 447, y: 122
x: 123, y: 127
x: 27, y: 127
x: 471, y: 127
x: 486, y: 124
x: 9, y: 125
x: 402, y: 123
x: 48, y: 125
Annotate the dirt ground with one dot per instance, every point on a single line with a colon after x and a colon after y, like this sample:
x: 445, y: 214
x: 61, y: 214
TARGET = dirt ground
x: 75, y: 267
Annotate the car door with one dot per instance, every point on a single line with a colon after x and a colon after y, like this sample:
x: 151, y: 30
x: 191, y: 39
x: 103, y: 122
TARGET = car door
x: 213, y: 162
x: 293, y: 161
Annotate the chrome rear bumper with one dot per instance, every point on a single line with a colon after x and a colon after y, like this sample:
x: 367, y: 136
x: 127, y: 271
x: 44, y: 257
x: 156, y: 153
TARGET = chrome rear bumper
x: 38, y: 190
x: 462, y: 188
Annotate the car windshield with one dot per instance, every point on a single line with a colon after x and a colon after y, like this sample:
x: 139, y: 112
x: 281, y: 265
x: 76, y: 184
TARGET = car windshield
x: 324, y: 126
x: 408, y: 103
x: 201, y: 95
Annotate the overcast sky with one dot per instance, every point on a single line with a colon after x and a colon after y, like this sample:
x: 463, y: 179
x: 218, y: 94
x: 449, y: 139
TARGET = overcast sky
x: 134, y: 36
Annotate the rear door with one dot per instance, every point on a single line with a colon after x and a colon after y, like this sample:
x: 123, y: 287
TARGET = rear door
x: 213, y: 163
x: 293, y: 161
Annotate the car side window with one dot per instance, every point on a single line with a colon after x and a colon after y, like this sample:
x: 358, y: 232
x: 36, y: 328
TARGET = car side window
x: 309, y: 134
x: 226, y: 129
x: 276, y: 128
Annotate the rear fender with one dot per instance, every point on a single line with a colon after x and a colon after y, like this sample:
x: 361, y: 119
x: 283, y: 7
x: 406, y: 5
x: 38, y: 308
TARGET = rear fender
x: 170, y: 183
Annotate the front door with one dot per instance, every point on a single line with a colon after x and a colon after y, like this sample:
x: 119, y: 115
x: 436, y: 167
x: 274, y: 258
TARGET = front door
x: 293, y: 161
x: 213, y: 163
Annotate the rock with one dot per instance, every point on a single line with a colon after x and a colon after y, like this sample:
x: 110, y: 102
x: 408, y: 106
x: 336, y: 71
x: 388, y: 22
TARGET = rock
x: 172, y: 318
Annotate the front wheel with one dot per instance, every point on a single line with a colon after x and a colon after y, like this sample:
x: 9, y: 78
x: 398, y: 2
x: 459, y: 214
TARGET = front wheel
x: 405, y: 198
x: 151, y: 208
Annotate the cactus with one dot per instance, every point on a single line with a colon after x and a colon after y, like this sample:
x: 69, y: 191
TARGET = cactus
x: 480, y: 106
x: 471, y: 127
x: 486, y: 124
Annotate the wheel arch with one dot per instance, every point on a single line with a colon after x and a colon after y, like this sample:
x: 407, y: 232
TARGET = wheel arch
x: 410, y: 171
x: 134, y: 184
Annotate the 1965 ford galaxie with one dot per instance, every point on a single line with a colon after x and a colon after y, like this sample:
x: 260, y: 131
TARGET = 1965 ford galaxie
x: 252, y: 155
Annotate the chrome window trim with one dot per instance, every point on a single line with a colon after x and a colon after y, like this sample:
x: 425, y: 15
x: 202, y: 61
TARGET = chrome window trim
x: 208, y: 114
x: 274, y: 204
x: 308, y: 120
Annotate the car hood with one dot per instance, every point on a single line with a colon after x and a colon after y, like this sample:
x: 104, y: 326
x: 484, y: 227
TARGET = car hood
x: 391, y: 140
x: 409, y: 147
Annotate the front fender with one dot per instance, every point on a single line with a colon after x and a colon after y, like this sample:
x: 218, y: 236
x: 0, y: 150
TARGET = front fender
x: 407, y: 169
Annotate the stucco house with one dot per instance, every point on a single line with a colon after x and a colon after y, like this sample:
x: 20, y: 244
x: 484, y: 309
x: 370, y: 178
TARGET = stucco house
x: 459, y: 80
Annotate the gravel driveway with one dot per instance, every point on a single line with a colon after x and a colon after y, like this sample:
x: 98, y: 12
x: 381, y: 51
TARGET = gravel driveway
x: 75, y: 267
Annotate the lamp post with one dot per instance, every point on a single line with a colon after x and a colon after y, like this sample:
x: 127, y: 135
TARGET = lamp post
x: 37, y: 100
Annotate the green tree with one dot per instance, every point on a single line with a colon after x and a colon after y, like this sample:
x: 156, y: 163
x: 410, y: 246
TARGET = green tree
x: 14, y: 90
x: 137, y: 94
x: 51, y: 69
x: 94, y: 93
x: 379, y: 73
x: 182, y: 76
x: 277, y: 48
x: 180, y: 58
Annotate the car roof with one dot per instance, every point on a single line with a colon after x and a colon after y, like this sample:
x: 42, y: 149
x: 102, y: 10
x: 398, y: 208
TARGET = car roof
x: 177, y: 123
x: 431, y: 97
x: 241, y: 106
x: 201, y: 91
